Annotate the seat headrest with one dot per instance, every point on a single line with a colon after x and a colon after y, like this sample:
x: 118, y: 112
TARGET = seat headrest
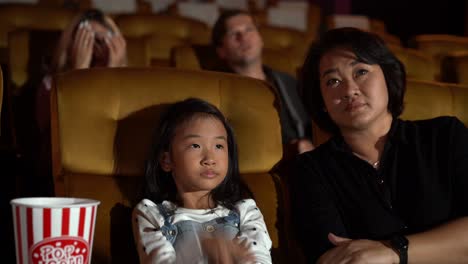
x: 111, y: 112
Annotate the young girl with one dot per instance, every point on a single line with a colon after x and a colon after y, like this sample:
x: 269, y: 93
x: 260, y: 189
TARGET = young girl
x: 194, y: 211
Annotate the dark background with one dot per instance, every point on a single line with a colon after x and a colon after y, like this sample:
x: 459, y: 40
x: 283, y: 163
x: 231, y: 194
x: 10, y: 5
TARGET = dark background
x: 412, y: 17
x: 406, y: 18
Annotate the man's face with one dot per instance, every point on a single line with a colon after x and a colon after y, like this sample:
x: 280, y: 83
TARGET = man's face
x: 242, y: 43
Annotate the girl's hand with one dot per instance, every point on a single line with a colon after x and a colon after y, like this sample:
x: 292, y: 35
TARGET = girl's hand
x: 219, y: 250
x: 117, y: 46
x: 358, y: 251
x: 82, y: 49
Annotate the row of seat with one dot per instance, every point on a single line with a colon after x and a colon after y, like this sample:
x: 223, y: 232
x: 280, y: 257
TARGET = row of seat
x: 175, y: 51
x: 150, y: 43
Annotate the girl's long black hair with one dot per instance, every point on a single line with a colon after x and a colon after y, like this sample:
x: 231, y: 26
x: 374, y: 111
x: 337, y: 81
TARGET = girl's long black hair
x: 160, y: 185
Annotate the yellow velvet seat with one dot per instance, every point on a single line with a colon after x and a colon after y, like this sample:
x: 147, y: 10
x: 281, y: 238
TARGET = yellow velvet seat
x: 102, y: 121
x: 276, y: 38
x: 30, y: 51
x: 164, y: 33
x: 455, y: 67
x: 439, y: 46
x: 284, y: 49
x: 203, y: 57
x: 186, y: 57
x: 15, y: 16
x: 138, y: 51
x: 426, y: 99
x: 287, y: 60
x: 418, y: 64
x: 28, y: 54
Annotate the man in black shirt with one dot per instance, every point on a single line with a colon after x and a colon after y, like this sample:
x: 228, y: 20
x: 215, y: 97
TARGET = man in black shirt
x: 239, y: 45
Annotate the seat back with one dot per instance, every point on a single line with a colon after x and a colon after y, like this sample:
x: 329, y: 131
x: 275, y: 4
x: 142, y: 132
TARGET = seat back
x: 160, y: 48
x: 161, y: 40
x: 138, y: 51
x: 455, y: 67
x: 30, y: 51
x: 204, y: 57
x: 185, y: 29
x: 439, y: 46
x: 418, y: 64
x: 102, y: 122
x: 194, y: 57
x: 16, y: 16
x: 425, y: 99
x: 277, y: 38
x: 460, y: 101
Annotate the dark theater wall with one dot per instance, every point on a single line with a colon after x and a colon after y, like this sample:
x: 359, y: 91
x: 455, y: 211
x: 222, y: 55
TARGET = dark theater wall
x: 406, y: 18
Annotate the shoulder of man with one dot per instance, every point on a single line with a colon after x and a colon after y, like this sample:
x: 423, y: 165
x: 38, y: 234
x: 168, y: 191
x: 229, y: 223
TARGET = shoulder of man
x: 285, y: 77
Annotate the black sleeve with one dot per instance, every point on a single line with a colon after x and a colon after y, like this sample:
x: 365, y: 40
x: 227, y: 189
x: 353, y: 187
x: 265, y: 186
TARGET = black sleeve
x: 459, y: 138
x: 290, y: 90
x: 314, y: 213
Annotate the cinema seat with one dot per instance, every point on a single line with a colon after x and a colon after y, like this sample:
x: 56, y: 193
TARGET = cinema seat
x: 102, y: 121
x: 18, y: 16
x: 161, y: 39
x: 203, y: 57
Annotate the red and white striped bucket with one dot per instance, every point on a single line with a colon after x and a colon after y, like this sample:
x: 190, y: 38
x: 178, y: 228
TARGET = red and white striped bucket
x: 54, y: 230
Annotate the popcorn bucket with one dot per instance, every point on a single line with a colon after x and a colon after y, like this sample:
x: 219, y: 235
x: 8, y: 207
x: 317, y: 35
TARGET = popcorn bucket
x: 54, y: 230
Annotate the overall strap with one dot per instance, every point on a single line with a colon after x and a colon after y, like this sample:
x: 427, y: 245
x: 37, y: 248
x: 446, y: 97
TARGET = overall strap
x: 168, y: 229
x: 164, y: 212
x: 233, y: 217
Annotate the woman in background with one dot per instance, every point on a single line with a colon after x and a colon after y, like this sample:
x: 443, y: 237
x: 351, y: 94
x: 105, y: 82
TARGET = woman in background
x: 91, y: 40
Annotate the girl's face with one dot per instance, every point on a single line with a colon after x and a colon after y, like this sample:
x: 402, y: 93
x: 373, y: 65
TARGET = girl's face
x: 198, y: 157
x: 355, y: 93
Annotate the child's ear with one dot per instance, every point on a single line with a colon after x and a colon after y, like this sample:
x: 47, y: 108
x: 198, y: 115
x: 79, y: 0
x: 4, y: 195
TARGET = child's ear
x: 165, y: 162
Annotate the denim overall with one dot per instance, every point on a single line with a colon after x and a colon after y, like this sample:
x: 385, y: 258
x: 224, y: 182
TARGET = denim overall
x: 185, y: 236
